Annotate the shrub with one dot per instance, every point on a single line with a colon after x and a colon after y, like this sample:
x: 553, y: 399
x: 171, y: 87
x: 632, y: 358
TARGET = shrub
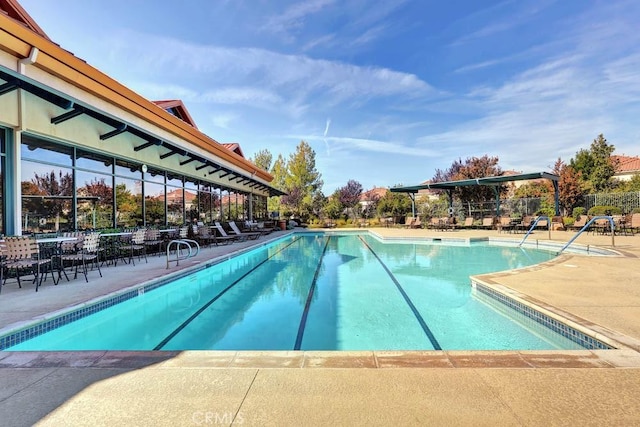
x: 635, y: 210
x: 605, y: 210
x: 578, y: 212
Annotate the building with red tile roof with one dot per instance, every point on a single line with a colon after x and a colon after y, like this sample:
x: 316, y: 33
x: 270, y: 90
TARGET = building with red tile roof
x: 626, y: 166
x: 54, y: 105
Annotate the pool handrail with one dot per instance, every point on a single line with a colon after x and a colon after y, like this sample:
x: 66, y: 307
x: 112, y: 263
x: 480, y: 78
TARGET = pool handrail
x: 182, y: 242
x: 535, y: 223
x: 586, y: 227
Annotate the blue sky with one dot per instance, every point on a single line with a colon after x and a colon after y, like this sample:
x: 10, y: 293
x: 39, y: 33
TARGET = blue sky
x: 385, y: 92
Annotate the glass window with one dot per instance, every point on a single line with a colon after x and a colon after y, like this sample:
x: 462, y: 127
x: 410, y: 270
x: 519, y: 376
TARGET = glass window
x: 174, y: 180
x: 44, y: 151
x: 2, y: 183
x: 95, y: 200
x: 175, y: 205
x: 46, y: 198
x: 128, y: 202
x: 155, y: 175
x: 128, y: 169
x: 191, y: 200
x: 94, y: 162
x: 154, y: 199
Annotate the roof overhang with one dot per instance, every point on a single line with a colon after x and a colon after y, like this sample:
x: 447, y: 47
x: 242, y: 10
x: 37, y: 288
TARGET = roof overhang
x: 164, y: 148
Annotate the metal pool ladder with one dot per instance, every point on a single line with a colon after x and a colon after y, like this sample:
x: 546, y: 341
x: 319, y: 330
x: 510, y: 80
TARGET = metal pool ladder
x: 586, y: 227
x: 179, y: 244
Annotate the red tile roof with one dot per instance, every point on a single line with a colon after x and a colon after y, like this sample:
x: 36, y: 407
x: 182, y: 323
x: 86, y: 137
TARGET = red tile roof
x: 627, y: 164
x: 374, y: 193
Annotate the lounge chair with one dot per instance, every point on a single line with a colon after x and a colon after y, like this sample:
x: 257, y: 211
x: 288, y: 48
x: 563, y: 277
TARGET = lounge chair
x: 579, y: 223
x: 224, y: 234
x: 468, y: 222
x: 416, y: 223
x: 207, y: 237
x: 505, y: 224
x: 251, y: 235
x: 633, y: 223
x: 487, y: 223
x: 408, y: 221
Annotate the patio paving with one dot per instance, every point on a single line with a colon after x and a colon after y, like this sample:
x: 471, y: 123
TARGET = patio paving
x: 343, y: 388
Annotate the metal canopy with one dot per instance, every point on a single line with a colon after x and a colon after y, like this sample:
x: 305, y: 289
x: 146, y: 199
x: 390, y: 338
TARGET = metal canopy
x: 14, y: 82
x: 493, y: 181
x: 489, y: 180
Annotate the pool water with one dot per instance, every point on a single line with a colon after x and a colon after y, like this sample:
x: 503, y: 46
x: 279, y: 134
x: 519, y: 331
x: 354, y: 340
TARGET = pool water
x: 321, y: 292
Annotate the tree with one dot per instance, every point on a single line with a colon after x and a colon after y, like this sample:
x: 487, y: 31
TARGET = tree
x: 349, y: 195
x: 279, y: 172
x: 303, y: 175
x: 333, y: 208
x: 473, y: 167
x: 262, y: 159
x: 394, y: 204
x: 570, y: 193
x: 595, y: 165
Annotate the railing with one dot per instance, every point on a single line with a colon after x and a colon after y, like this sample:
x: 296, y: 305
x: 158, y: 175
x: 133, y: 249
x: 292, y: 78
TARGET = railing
x: 586, y: 227
x: 186, y: 243
x: 534, y: 225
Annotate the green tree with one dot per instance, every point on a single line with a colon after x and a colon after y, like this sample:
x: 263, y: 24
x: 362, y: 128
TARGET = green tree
x: 394, y: 204
x: 279, y: 172
x: 333, y: 207
x: 302, y: 174
x: 628, y: 186
x: 262, y: 159
x: 595, y: 165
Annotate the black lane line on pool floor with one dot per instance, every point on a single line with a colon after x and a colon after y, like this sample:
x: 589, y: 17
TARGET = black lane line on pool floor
x: 423, y: 324
x: 305, y: 313
x: 214, y: 299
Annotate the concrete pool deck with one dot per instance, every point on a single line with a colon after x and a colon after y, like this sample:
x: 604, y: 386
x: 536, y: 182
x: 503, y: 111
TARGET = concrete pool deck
x: 344, y: 388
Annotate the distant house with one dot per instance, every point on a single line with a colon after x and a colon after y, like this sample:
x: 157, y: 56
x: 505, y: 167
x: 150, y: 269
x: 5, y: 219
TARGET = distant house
x: 370, y: 197
x: 626, y: 167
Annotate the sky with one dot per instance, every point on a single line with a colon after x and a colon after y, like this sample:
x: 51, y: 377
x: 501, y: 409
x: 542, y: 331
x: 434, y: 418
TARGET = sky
x: 385, y: 92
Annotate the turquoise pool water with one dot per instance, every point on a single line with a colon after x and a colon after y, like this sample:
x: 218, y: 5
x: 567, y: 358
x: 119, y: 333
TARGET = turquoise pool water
x: 321, y: 292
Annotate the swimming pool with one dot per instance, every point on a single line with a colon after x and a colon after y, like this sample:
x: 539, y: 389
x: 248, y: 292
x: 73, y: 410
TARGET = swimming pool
x: 316, y: 291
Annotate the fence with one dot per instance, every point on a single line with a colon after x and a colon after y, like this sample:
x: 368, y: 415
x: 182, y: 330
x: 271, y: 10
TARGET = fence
x: 527, y: 206
x: 625, y: 201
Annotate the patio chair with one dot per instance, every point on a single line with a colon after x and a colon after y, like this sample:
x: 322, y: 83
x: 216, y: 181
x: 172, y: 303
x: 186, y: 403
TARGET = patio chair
x: 251, y: 235
x: 86, y: 254
x: 416, y: 223
x: 135, y: 245
x: 153, y: 240
x: 23, y: 254
x: 634, y: 223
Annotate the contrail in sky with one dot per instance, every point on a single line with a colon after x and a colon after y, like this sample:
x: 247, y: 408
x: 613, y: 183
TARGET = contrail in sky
x: 324, y: 137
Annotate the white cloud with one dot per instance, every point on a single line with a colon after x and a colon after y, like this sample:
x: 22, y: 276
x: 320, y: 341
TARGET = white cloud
x: 293, y: 17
